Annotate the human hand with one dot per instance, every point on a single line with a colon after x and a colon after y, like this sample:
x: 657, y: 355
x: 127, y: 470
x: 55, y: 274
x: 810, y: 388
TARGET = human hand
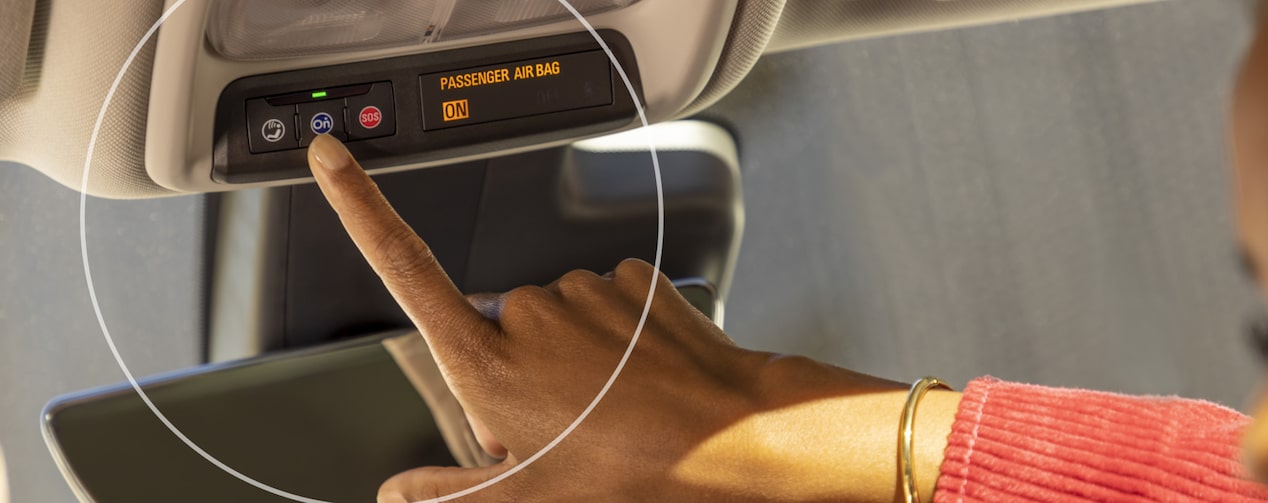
x: 692, y: 417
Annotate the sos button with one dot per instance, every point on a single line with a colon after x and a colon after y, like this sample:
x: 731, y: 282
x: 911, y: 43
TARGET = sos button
x: 370, y: 117
x: 373, y: 114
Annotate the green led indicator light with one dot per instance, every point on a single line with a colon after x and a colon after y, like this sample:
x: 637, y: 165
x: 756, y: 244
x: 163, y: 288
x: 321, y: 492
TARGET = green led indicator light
x: 319, y: 94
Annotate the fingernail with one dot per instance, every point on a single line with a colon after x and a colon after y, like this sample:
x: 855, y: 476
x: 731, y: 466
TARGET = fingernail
x: 330, y: 153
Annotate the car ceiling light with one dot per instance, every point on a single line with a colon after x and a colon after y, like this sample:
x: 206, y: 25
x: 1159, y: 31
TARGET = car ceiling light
x: 271, y: 29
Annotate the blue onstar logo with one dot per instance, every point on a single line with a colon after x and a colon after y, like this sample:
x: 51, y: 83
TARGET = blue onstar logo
x: 322, y: 123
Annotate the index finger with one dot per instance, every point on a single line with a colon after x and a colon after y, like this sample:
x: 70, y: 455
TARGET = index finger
x: 401, y: 259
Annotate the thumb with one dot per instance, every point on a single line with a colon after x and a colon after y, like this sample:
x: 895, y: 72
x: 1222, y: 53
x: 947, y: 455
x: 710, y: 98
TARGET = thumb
x: 422, y: 484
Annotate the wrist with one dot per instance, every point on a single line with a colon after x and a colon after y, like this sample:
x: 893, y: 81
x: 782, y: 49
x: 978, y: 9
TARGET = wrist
x: 934, y: 418
x: 844, y: 429
x: 822, y: 433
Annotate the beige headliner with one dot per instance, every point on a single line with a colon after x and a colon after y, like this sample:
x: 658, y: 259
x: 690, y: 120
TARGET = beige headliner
x: 76, y: 48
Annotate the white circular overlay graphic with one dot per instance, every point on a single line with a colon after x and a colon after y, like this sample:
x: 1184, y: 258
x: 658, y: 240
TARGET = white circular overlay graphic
x: 105, y: 332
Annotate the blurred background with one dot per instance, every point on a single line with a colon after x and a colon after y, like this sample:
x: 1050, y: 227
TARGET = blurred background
x: 1045, y: 201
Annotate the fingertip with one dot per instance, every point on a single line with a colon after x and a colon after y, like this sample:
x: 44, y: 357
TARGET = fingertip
x: 391, y: 498
x: 327, y: 152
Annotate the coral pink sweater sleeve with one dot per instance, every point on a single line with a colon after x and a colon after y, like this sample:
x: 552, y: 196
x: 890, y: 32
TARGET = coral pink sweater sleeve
x: 1018, y: 442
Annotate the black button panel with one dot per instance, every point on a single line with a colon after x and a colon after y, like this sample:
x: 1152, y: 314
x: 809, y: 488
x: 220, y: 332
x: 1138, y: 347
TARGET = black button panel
x: 349, y: 113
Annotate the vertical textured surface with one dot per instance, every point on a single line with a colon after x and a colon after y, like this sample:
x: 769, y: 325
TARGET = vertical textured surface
x: 15, y: 36
x: 70, y: 66
x: 1044, y: 201
x: 146, y: 262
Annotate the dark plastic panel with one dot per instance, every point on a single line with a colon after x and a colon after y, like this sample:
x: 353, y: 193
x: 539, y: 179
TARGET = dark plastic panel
x: 233, y: 161
x: 331, y: 423
x: 330, y: 292
x: 546, y: 213
x: 498, y: 224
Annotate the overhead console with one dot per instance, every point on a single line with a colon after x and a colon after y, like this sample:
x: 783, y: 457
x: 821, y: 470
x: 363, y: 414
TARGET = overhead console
x: 425, y: 107
x: 239, y: 87
x: 162, y: 133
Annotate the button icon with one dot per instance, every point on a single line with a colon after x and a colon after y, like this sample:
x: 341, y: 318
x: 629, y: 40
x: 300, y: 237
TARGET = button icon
x: 273, y: 131
x: 322, y: 123
x: 370, y: 117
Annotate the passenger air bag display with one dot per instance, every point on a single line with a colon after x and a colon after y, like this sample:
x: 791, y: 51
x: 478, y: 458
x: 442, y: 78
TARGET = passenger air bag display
x: 516, y: 89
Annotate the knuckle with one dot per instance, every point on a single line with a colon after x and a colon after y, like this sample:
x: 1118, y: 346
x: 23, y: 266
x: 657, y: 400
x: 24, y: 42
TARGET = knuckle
x: 525, y: 299
x: 634, y: 276
x: 633, y: 267
x: 578, y: 281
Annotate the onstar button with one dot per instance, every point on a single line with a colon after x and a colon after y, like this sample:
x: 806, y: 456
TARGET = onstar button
x: 322, y: 123
x: 321, y: 117
x: 370, y: 117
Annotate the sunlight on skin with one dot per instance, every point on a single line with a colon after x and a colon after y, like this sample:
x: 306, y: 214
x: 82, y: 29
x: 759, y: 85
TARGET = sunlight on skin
x: 4, y: 481
x: 845, y: 455
x: 1249, y: 128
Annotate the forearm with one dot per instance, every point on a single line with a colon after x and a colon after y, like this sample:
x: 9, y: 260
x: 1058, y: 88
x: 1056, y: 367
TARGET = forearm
x: 832, y: 436
x: 840, y: 449
x: 823, y: 433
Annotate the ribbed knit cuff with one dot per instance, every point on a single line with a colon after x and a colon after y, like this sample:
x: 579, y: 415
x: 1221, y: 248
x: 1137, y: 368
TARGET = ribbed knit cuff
x: 1018, y: 442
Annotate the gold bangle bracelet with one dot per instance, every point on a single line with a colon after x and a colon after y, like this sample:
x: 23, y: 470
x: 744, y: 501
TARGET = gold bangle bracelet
x: 906, y: 467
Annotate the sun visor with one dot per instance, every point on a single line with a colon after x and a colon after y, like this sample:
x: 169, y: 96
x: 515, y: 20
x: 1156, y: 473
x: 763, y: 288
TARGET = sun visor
x: 806, y: 23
